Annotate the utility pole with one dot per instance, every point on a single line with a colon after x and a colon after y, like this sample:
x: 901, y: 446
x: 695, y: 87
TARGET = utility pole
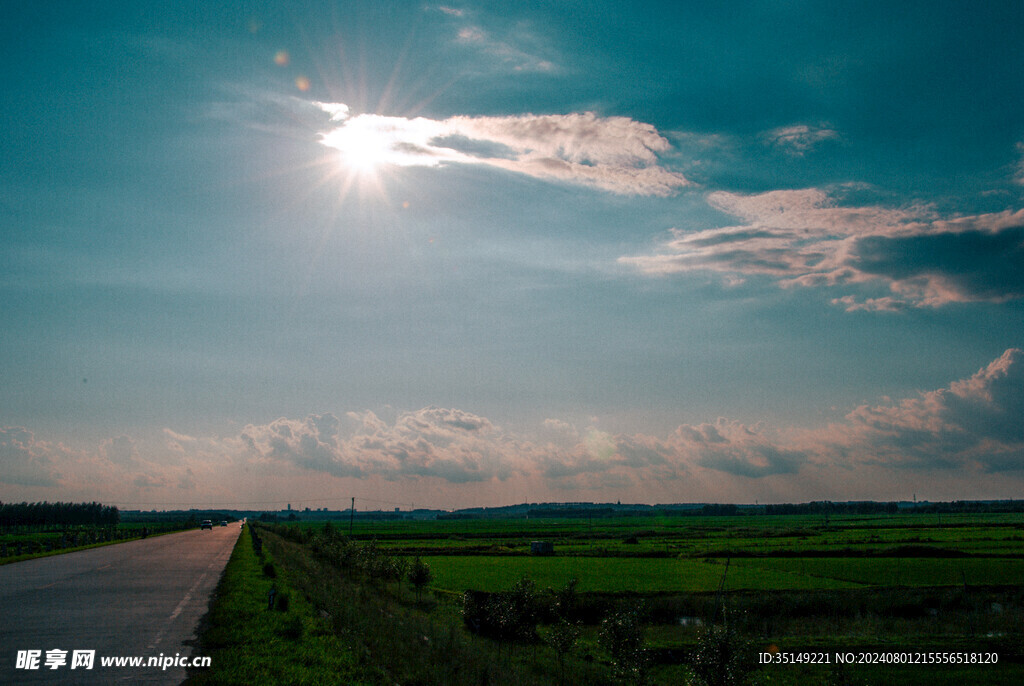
x: 351, y: 517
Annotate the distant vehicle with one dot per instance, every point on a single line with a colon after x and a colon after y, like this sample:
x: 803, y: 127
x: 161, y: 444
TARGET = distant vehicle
x: 207, y: 524
x: 223, y: 522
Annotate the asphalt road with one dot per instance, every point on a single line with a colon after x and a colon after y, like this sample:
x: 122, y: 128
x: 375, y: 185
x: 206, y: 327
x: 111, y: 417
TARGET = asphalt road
x: 142, y: 598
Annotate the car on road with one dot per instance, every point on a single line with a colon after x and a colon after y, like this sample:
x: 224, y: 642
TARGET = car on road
x: 207, y: 524
x: 223, y: 522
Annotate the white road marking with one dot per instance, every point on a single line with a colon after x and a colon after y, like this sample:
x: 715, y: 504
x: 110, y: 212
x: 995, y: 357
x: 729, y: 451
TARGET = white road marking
x: 177, y: 611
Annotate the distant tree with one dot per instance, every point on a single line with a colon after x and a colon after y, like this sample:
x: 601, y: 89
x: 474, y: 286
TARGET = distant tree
x: 419, y: 576
x: 508, y: 616
x: 622, y: 636
x: 58, y: 515
x: 562, y: 638
x: 395, y: 569
x: 722, y: 657
x: 566, y: 600
x: 523, y: 602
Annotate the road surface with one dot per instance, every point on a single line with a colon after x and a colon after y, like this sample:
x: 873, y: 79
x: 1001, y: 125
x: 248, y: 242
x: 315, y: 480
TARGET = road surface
x: 141, y: 598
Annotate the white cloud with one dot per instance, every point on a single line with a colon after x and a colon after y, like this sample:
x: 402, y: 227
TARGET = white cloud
x: 616, y: 154
x: 560, y: 427
x: 1018, y: 176
x: 460, y: 447
x: 120, y: 450
x: 449, y: 444
x: 799, y: 138
x: 972, y: 422
x: 806, y: 238
x: 968, y: 431
x: 110, y: 471
x: 26, y: 461
x: 505, y: 53
x: 815, y: 213
x: 516, y: 49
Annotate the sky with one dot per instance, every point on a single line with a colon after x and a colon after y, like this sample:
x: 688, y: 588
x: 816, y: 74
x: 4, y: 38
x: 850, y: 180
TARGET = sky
x: 261, y: 253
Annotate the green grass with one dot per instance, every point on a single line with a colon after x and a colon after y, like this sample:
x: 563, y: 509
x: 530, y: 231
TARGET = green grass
x: 665, y: 575
x: 842, y: 593
x: 613, y: 575
x: 897, y: 571
x: 402, y: 640
x: 250, y: 644
x: 699, y: 536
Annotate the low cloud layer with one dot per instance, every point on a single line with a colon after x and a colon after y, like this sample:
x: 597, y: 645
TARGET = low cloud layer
x: 26, y: 461
x: 615, y: 154
x: 965, y: 430
x: 971, y: 423
x: 459, y: 447
x: 806, y: 238
x: 450, y: 444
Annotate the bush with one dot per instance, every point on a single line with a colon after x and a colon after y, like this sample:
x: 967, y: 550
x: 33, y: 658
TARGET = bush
x: 563, y: 638
x: 507, y: 615
x: 622, y: 636
x: 567, y: 600
x: 722, y: 657
x: 419, y: 576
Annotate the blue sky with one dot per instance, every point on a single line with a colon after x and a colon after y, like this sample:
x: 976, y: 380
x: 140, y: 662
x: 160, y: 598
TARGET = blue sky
x: 471, y: 254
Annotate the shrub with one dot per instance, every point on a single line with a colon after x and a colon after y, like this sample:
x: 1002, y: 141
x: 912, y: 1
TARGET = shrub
x: 722, y: 657
x: 507, y: 615
x: 563, y: 638
x: 566, y: 600
x: 419, y: 576
x: 622, y: 636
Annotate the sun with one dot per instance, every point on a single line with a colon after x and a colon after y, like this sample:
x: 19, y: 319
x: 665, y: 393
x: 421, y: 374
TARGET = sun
x: 366, y: 151
x: 364, y: 145
x: 371, y: 149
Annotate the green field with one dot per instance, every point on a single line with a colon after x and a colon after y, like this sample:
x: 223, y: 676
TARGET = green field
x: 693, y: 536
x: 797, y: 582
x: 617, y: 575
x: 640, y: 575
x: 898, y: 572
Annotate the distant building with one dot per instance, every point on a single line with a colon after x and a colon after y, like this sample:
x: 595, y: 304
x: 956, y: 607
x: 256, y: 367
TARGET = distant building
x: 542, y: 548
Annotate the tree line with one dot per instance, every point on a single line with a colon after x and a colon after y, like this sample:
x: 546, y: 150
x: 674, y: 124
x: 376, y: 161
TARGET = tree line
x: 47, y: 514
x: 826, y: 507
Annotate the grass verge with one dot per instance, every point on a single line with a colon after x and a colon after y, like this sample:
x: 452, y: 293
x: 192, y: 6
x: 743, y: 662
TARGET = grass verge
x: 400, y: 640
x: 250, y: 643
